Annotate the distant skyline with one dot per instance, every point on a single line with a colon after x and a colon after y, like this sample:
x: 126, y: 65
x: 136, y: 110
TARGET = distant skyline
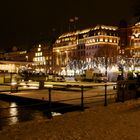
x: 23, y: 21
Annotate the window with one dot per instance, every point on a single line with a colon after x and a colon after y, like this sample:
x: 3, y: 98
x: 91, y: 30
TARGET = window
x: 110, y: 40
x: 38, y: 54
x: 106, y: 40
x: 101, y: 39
x: 39, y: 49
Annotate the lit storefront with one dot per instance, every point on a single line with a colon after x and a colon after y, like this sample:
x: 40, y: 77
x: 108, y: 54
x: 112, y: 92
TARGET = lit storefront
x: 13, y: 66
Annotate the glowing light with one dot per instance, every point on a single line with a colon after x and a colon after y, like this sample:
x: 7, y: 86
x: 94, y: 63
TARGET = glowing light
x: 138, y: 23
x: 13, y: 112
x: 14, y: 83
x: 106, y: 40
x: 114, y: 69
x: 101, y: 39
x: 22, y: 52
x: 110, y: 40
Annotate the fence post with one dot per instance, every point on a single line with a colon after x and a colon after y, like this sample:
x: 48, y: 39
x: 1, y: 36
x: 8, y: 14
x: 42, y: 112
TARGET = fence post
x: 123, y: 85
x: 50, y: 106
x: 41, y: 84
x: 105, y: 104
x: 82, y: 98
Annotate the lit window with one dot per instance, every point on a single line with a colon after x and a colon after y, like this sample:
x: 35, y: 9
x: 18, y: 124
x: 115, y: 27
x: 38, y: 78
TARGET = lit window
x: 39, y: 49
x: 110, y: 40
x: 106, y: 40
x: 35, y: 59
x: 114, y: 40
x: 101, y: 39
x: 132, y: 37
x: 66, y: 39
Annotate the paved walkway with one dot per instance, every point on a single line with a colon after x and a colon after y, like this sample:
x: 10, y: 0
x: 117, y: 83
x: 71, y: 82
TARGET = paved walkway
x: 64, y: 95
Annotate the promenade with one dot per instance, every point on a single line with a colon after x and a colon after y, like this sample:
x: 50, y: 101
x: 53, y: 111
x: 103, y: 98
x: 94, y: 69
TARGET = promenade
x: 117, y: 121
x: 64, y: 92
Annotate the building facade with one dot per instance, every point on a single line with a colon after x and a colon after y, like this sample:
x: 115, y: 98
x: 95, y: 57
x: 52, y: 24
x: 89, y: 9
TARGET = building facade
x: 132, y: 50
x: 77, y: 51
x: 41, y: 55
x: 101, y: 47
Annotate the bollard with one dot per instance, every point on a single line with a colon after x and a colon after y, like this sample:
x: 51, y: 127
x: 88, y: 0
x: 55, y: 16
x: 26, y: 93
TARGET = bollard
x: 50, y: 107
x: 105, y: 104
x: 82, y: 98
x: 41, y: 84
x: 14, y: 87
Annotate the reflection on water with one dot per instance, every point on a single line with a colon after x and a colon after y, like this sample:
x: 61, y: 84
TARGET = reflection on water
x: 13, y: 113
x: 21, y: 111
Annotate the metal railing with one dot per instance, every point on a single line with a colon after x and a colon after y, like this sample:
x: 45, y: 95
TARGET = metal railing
x: 82, y: 98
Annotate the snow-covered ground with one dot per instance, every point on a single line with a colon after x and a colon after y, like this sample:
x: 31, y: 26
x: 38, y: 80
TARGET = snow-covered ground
x: 117, y: 121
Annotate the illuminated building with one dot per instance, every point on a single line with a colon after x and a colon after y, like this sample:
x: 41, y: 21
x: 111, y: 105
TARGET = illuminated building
x: 41, y: 55
x: 123, y: 34
x: 12, y: 61
x: 100, y: 47
x: 85, y: 49
x: 133, y: 47
x: 15, y: 56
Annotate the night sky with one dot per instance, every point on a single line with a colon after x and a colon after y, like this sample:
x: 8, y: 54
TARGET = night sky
x: 24, y: 21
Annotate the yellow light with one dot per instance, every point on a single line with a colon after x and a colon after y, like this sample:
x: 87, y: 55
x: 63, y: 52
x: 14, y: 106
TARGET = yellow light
x: 14, y: 83
x: 101, y: 39
x: 13, y: 112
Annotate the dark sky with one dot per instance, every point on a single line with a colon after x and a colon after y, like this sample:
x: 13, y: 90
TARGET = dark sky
x: 22, y: 21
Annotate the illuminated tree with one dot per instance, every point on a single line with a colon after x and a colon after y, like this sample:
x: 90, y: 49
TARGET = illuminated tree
x: 106, y: 56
